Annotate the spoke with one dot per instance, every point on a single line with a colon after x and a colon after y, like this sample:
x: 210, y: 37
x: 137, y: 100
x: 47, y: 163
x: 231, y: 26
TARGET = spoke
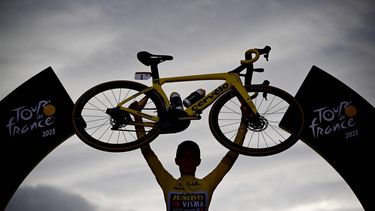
x: 131, y: 134
x: 100, y: 137
x: 250, y: 139
x: 274, y: 128
x: 270, y: 108
x: 227, y: 112
x: 264, y: 139
x: 118, y: 137
x: 269, y: 105
x: 119, y: 96
x: 109, y: 139
x: 98, y: 127
x: 235, y: 103
x: 273, y: 140
x: 230, y: 131
x: 278, y: 111
x: 123, y: 134
x: 261, y: 102
x: 232, y: 110
x: 231, y: 138
x: 274, y: 122
x: 107, y: 98
x: 228, y: 124
x: 92, y: 109
x: 99, y: 109
x: 96, y: 120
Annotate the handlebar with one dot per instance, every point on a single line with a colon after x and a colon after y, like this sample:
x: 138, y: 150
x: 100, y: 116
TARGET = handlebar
x: 248, y: 55
x: 249, y: 61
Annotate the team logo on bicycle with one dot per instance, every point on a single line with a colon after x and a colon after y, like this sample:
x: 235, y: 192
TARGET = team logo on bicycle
x: 338, y: 118
x: 28, y: 119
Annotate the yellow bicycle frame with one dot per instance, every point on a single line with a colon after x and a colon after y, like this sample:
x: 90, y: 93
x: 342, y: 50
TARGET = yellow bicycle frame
x: 232, y: 81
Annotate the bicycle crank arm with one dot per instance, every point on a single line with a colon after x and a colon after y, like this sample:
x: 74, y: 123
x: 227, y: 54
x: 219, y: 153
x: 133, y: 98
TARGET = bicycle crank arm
x: 190, y: 118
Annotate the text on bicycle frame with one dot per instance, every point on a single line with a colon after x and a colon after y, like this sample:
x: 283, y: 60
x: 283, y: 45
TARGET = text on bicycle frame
x: 209, y: 98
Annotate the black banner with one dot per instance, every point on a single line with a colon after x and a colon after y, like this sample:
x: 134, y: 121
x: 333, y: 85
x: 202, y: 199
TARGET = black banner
x: 35, y: 119
x: 339, y: 126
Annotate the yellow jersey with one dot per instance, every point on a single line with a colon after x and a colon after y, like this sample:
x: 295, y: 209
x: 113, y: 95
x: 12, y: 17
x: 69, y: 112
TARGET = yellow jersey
x: 188, y: 193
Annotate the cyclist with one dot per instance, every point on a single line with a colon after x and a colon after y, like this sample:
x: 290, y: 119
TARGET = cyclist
x: 187, y: 192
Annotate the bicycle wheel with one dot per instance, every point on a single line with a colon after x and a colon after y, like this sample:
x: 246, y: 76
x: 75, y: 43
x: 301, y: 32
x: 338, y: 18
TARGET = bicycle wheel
x: 264, y: 138
x: 115, y: 132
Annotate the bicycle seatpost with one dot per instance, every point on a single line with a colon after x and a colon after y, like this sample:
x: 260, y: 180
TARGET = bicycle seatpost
x: 152, y: 60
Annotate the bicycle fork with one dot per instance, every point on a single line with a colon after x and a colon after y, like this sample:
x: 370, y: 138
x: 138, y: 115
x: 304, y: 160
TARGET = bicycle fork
x: 250, y: 114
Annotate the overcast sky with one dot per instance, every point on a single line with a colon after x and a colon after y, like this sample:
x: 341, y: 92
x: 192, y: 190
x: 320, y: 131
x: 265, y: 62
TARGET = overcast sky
x: 89, y: 42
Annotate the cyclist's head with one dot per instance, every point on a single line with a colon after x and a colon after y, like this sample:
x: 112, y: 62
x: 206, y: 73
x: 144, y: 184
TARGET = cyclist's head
x: 188, y: 157
x: 188, y: 145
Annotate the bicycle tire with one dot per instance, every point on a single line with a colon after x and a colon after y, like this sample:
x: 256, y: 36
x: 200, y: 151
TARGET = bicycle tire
x: 93, y: 125
x: 225, y: 117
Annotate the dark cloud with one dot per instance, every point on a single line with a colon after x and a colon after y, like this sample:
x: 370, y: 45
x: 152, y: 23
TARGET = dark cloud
x: 49, y: 198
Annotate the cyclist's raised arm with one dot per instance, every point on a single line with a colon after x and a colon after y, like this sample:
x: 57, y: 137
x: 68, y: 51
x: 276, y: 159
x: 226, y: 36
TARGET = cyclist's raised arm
x: 228, y: 160
x: 140, y: 130
x: 232, y: 156
x: 152, y: 160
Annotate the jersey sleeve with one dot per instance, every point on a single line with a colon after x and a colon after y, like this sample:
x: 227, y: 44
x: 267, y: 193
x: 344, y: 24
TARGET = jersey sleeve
x: 163, y: 177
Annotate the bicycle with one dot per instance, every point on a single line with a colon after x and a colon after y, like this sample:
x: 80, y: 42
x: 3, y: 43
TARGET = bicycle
x: 103, y: 119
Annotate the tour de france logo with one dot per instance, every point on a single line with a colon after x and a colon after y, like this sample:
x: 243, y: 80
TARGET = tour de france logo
x: 337, y: 118
x: 36, y: 118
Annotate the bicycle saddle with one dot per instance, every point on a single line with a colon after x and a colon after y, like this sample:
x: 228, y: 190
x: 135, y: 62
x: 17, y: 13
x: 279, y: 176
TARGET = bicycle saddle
x: 151, y: 59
